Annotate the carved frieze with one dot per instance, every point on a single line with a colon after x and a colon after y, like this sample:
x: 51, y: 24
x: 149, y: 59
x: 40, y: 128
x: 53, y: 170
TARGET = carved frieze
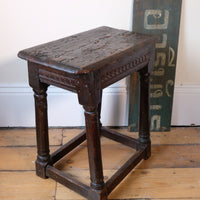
x: 58, y: 80
x: 124, y: 68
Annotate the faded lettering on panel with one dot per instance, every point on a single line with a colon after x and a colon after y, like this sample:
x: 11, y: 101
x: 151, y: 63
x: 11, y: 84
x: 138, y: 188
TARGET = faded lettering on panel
x: 162, y: 18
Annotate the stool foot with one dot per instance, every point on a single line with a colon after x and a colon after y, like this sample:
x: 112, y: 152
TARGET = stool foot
x: 148, y: 152
x: 145, y: 142
x: 97, y: 194
x: 41, y: 169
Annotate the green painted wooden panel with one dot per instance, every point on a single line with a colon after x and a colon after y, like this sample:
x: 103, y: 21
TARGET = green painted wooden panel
x: 162, y: 18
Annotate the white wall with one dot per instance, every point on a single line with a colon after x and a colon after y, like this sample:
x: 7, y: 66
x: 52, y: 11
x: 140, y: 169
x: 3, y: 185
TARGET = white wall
x: 188, y: 69
x: 25, y: 23
x: 186, y: 107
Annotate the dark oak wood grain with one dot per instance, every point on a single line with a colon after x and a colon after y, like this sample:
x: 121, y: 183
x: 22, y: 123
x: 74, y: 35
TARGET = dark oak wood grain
x: 86, y: 63
x: 118, y: 137
x: 68, y: 147
x: 124, y: 170
x: 144, y: 118
x: 68, y: 181
x: 87, y: 51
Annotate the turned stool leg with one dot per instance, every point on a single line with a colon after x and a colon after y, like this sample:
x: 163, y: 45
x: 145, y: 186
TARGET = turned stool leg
x: 144, y: 119
x: 94, y: 153
x: 99, y: 111
x: 41, y: 130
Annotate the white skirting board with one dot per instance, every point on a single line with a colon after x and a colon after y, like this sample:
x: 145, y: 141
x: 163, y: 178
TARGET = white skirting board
x: 17, y: 107
x: 186, y: 105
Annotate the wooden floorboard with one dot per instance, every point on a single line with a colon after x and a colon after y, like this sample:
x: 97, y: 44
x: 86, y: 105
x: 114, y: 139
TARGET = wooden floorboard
x: 173, y: 156
x: 181, y: 135
x: 69, y: 134
x: 158, y: 183
x: 168, y: 156
x: 26, y: 137
x: 19, y: 158
x: 113, y: 157
x: 172, y: 172
x: 25, y: 186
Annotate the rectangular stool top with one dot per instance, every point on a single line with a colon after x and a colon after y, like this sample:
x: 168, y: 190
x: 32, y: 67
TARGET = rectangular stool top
x: 87, y: 51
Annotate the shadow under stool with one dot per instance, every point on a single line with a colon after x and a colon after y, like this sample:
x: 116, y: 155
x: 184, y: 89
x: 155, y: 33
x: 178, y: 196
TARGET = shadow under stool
x: 86, y: 63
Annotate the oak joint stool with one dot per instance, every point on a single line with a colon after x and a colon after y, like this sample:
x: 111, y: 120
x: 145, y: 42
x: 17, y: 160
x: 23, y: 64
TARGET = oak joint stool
x: 86, y: 63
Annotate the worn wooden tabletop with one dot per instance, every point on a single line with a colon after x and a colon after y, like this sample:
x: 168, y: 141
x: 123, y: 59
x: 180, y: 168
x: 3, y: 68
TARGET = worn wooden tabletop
x: 88, y: 50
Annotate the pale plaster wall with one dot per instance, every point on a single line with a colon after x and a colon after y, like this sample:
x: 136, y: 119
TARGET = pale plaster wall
x: 188, y: 68
x: 25, y: 23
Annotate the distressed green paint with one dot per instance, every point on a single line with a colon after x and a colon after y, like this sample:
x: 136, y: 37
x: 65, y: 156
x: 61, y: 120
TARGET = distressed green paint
x: 162, y: 18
